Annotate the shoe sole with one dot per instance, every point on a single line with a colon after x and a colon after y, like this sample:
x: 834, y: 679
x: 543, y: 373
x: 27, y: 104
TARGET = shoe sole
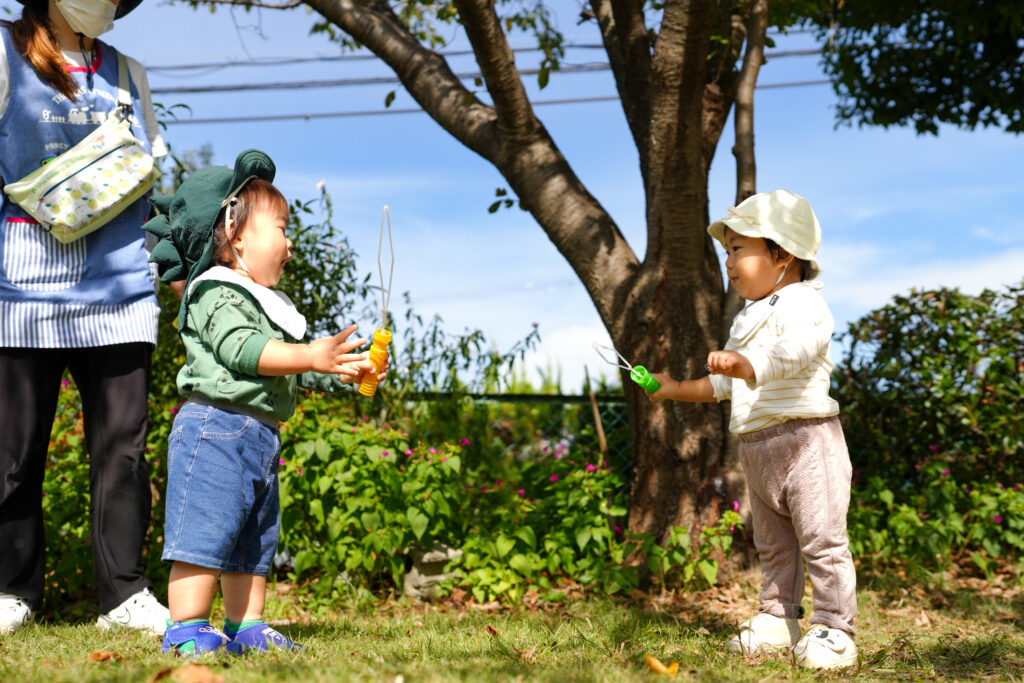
x: 107, y: 624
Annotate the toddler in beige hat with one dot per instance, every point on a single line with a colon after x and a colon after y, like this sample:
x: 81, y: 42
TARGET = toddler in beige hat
x: 775, y: 370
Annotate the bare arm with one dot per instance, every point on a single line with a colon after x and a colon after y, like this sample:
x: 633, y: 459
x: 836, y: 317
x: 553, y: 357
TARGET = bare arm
x: 691, y: 390
x: 327, y: 355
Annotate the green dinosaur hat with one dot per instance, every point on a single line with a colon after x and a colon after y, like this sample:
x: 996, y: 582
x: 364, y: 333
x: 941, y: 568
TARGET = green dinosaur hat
x: 187, y: 218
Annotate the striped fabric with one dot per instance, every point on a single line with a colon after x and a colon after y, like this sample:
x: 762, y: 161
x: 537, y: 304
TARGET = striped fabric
x: 44, y: 325
x: 788, y: 346
x: 35, y: 261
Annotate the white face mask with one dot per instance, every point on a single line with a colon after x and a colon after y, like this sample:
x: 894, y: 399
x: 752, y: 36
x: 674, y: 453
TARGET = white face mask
x: 88, y: 17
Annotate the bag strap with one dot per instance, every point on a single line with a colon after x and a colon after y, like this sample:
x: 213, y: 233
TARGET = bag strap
x: 124, y: 96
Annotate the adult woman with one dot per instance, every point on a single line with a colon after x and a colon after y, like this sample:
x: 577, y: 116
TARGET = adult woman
x: 88, y: 306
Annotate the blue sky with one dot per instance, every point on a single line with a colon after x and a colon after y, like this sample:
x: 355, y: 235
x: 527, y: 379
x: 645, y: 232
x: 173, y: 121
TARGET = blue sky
x: 897, y: 210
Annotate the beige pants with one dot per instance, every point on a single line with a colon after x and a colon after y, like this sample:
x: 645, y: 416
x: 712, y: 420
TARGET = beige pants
x: 799, y: 479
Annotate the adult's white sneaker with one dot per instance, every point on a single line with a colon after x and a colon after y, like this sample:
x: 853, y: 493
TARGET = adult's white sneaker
x: 764, y: 634
x: 14, y: 613
x: 825, y: 648
x: 141, y: 612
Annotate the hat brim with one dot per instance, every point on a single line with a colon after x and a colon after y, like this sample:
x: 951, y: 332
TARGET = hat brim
x: 740, y: 226
x: 123, y: 7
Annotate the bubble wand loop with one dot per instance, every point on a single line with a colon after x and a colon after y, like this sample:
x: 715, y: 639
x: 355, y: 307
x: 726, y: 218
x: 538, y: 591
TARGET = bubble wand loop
x: 637, y: 373
x: 381, y: 336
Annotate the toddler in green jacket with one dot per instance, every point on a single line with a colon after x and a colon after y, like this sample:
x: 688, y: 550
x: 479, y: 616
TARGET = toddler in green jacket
x: 224, y: 232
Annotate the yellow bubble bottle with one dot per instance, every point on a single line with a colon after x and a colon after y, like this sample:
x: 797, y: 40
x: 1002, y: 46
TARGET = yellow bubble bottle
x: 378, y: 356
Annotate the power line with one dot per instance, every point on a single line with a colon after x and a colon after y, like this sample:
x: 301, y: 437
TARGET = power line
x: 416, y: 110
x: 285, y: 61
x: 348, y: 82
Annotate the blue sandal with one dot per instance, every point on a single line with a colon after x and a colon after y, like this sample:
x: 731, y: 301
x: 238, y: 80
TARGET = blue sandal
x: 259, y: 636
x: 193, y: 639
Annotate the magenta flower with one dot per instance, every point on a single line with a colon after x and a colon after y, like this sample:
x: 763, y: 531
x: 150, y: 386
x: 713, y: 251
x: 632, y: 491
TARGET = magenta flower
x: 945, y: 473
x: 618, y: 529
x: 432, y: 450
x: 483, y: 489
x: 735, y: 506
x: 521, y: 492
x: 554, y: 477
x: 384, y: 454
x: 408, y: 452
x: 65, y: 383
x: 444, y: 458
x: 933, y: 449
x: 281, y: 461
x: 590, y: 468
x: 998, y: 519
x: 498, y: 483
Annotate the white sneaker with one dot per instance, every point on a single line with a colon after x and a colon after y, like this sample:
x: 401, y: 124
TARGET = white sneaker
x: 142, y: 612
x: 825, y: 648
x: 765, y: 633
x: 14, y: 613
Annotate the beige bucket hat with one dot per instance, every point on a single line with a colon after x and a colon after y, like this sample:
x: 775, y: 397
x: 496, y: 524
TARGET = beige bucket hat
x: 781, y: 216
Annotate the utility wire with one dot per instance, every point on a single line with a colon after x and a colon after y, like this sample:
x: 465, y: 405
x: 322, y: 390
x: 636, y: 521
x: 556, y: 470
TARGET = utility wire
x: 263, y: 62
x: 347, y: 82
x: 417, y: 110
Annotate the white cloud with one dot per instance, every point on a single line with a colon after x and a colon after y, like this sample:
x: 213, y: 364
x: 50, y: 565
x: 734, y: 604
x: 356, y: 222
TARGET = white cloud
x: 866, y: 282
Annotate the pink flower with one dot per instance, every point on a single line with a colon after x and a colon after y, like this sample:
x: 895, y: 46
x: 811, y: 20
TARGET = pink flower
x: 618, y: 529
x: 384, y: 454
x: 554, y: 477
x: 521, y: 492
x: 933, y: 449
x: 590, y: 468
x: 444, y: 458
x: 998, y: 519
x: 498, y: 483
x: 65, y: 383
x: 465, y: 442
x: 281, y: 461
x: 432, y: 450
x: 408, y: 452
x: 945, y: 473
x: 735, y: 506
x: 483, y: 489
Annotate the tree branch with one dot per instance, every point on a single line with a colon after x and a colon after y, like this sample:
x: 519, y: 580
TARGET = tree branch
x: 493, y: 54
x: 527, y: 157
x: 753, y: 58
x: 256, y: 3
x: 627, y: 44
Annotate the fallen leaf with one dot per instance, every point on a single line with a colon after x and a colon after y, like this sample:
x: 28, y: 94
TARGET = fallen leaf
x: 160, y: 675
x: 191, y: 673
x: 655, y: 665
x: 101, y: 656
x: 493, y: 631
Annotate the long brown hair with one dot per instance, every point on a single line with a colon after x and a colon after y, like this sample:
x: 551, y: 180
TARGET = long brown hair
x: 36, y: 43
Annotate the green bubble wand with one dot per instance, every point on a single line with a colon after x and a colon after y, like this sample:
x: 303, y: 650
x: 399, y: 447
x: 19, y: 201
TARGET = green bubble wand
x: 637, y: 373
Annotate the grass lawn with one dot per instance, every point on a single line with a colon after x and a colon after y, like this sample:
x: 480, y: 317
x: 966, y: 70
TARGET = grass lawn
x: 971, y: 630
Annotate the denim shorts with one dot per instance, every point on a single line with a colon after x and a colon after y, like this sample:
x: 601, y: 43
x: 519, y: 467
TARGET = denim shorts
x: 223, y: 509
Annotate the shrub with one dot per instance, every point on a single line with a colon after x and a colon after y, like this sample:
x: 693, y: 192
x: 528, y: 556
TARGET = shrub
x: 937, y: 371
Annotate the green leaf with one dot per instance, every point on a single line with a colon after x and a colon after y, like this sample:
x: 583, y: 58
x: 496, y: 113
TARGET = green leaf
x: 417, y: 521
x: 583, y: 537
x: 709, y: 570
x: 389, y: 98
x: 370, y: 520
x: 521, y: 563
x: 503, y: 545
x: 528, y: 536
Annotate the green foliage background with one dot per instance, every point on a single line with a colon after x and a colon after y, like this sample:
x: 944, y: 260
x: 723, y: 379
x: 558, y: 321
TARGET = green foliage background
x: 930, y: 385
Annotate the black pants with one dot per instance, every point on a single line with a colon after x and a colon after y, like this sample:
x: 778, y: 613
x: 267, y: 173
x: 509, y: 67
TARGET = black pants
x: 113, y: 381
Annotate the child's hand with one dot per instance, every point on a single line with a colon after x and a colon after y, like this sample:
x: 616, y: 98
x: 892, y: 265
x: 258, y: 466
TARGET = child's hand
x: 730, y: 364
x: 330, y: 355
x: 667, y: 384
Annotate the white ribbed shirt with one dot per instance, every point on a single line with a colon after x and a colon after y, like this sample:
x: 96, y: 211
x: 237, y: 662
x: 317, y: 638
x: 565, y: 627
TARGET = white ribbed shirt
x: 786, y: 338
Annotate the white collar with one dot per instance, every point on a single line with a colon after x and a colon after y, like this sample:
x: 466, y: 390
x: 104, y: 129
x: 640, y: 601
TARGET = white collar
x: 276, y: 305
x: 756, y: 313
